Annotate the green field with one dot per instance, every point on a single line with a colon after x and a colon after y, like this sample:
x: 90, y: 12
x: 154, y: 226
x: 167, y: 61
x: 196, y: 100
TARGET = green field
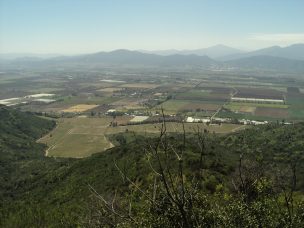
x: 243, y: 110
x: 296, y: 110
x: 45, y: 90
x: 294, y: 105
x: 194, y: 94
x: 237, y: 105
x: 173, y: 105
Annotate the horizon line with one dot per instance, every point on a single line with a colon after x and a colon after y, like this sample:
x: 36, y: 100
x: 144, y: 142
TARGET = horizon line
x: 139, y: 50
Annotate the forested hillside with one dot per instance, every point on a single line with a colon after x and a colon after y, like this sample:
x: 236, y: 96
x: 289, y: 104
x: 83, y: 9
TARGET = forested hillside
x: 18, y: 132
x: 253, y: 178
x: 22, y: 160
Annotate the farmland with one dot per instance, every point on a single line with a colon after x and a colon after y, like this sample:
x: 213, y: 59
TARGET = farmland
x: 77, y: 137
x: 79, y: 108
x: 242, y: 104
x: 81, y: 136
x: 86, y: 102
x: 296, y: 101
x: 262, y: 93
x: 140, y: 85
x: 176, y: 106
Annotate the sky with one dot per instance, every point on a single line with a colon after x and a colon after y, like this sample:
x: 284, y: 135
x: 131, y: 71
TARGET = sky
x: 87, y: 26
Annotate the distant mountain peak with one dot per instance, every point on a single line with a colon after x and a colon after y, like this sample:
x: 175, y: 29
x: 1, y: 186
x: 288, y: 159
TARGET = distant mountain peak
x: 295, y: 51
x: 297, y: 45
x: 220, y: 46
x: 215, y: 51
x: 122, y: 51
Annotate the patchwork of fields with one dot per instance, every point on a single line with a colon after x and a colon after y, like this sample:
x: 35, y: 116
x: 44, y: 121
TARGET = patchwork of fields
x: 85, y: 103
x: 208, y: 101
x: 175, y: 106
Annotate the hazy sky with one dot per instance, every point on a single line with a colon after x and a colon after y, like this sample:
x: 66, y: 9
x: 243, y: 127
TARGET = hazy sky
x: 81, y: 26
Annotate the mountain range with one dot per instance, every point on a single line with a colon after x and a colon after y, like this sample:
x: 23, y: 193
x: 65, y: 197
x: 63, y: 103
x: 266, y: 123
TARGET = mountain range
x: 225, y: 53
x: 283, y: 59
x: 214, y: 52
x: 127, y: 57
x: 295, y: 51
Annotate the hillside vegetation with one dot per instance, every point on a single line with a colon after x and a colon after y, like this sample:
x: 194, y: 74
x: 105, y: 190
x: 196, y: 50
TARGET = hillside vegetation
x: 18, y: 132
x: 253, y: 178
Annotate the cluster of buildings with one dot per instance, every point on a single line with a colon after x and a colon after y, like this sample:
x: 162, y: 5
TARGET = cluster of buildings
x: 223, y: 120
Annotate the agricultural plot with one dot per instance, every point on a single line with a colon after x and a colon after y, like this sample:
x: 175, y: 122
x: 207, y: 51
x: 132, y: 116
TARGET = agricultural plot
x: 293, y: 90
x: 259, y: 93
x: 296, y: 101
x: 268, y: 110
x: 175, y: 106
x: 241, y: 108
x: 77, y: 137
x: 193, y: 95
x: 139, y: 119
x: 203, y: 95
x: 218, y: 90
x: 45, y: 90
x: 96, y: 85
x: 79, y: 145
x: 173, y: 87
x: 90, y: 100
x: 122, y: 120
x: 259, y: 109
x: 139, y: 85
x: 112, y: 81
x: 80, y: 137
x: 266, y: 105
x: 110, y: 90
x: 79, y: 108
x: 272, y: 112
x: 129, y: 103
x: 197, y: 106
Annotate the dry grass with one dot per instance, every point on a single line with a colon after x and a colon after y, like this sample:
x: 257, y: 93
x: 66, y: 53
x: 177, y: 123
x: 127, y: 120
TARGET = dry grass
x: 110, y: 90
x: 140, y: 85
x: 247, y: 109
x: 80, y: 108
x: 78, y: 137
x: 128, y: 103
